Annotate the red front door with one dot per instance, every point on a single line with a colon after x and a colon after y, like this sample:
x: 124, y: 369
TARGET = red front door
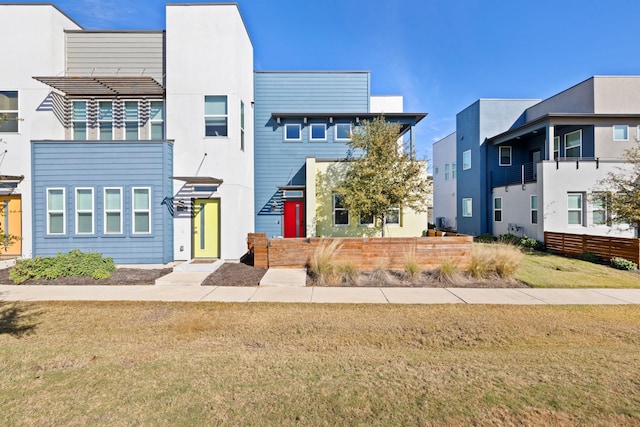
x: 294, y: 218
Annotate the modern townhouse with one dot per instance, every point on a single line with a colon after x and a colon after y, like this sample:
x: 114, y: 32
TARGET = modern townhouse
x: 527, y: 167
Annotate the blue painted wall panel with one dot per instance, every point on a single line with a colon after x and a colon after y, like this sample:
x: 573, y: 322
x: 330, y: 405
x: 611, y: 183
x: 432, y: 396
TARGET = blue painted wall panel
x: 279, y: 163
x: 97, y: 165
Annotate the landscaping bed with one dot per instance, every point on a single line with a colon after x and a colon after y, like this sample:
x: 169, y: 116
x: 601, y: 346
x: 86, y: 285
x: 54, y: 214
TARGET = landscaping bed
x: 120, y: 277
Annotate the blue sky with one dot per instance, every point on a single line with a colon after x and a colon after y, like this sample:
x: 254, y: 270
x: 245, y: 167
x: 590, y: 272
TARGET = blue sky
x: 442, y: 55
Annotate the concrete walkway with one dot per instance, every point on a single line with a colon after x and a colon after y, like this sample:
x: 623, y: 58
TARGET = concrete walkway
x: 294, y: 294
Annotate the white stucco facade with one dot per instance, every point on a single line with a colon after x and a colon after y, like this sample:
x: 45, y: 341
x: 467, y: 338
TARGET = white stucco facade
x: 209, y: 53
x: 444, y: 183
x: 34, y: 46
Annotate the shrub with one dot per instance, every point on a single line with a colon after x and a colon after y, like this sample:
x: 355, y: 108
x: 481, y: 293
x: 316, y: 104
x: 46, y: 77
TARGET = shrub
x: 323, y: 263
x: 501, y: 260
x: 346, y: 272
x: 623, y: 264
x: 74, y: 263
x: 411, y: 266
x: 485, y: 238
x: 590, y: 257
x: 531, y: 243
x: 447, y: 271
x: 509, y: 239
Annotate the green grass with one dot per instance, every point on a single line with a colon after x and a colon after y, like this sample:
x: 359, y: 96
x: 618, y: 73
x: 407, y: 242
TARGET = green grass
x: 543, y: 270
x: 165, y: 364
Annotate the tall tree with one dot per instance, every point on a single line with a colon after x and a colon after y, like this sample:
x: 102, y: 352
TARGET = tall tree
x: 624, y: 186
x: 383, y: 174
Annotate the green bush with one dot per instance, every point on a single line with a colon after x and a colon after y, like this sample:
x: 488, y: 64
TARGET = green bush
x: 531, y: 243
x: 623, y: 264
x: 509, y: 239
x: 74, y: 263
x: 485, y: 238
x: 590, y: 257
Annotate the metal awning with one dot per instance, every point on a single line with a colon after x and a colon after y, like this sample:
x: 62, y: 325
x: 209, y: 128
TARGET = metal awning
x: 104, y: 86
x: 6, y: 179
x: 292, y: 187
x: 199, y: 180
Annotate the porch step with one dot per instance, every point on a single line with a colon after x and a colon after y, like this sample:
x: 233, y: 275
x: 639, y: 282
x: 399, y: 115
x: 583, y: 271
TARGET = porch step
x: 296, y: 277
x: 208, y: 265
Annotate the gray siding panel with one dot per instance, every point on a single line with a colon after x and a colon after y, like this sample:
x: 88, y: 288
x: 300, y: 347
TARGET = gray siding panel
x: 97, y: 165
x: 109, y: 53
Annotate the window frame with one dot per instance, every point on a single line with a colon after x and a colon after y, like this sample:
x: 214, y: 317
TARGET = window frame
x: 341, y: 208
x: 497, y: 210
x: 102, y: 121
x: 217, y: 116
x: 626, y: 132
x: 533, y: 209
x: 63, y: 211
x: 500, y: 162
x: 126, y: 121
x: 135, y: 210
x: 566, y: 148
x: 466, y: 160
x: 10, y: 113
x: 79, y: 211
x: 446, y: 171
x: 580, y: 209
x: 315, y: 125
x: 338, y: 125
x: 453, y: 170
x: 154, y: 121
x: 286, y: 126
x: 107, y: 210
x: 606, y: 214
x: 467, y: 202
x: 399, y: 222
x: 74, y: 121
x: 556, y: 147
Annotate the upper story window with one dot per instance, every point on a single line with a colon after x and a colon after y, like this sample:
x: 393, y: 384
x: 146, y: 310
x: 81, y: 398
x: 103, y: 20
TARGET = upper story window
x: 505, y: 156
x: 318, y: 132
x: 79, y: 119
x: 292, y: 132
x: 453, y: 170
x: 446, y: 172
x: 620, y: 133
x: 466, y: 160
x: 131, y: 121
x: 8, y: 111
x: 156, y: 119
x: 105, y: 120
x: 343, y: 131
x: 215, y: 115
x: 556, y: 147
x: 573, y: 144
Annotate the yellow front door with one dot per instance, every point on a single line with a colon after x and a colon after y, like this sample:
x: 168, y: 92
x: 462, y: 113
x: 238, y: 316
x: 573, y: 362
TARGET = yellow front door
x: 206, y: 228
x: 10, y: 226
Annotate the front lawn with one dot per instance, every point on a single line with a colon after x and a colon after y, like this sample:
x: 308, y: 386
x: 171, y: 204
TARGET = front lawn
x: 168, y: 364
x: 543, y: 270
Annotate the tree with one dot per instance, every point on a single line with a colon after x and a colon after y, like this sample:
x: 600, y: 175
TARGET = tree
x: 624, y: 186
x: 386, y: 175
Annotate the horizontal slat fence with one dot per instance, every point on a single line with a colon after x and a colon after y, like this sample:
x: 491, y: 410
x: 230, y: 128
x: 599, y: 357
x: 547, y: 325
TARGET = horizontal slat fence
x: 603, y: 246
x: 365, y: 253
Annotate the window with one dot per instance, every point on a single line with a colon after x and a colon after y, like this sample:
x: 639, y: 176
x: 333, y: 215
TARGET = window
x: 599, y: 209
x: 215, y: 115
x: 292, y: 132
x: 131, y: 121
x: 466, y: 160
x: 556, y: 147
x: 318, y: 132
x: 9, y: 110
x: 573, y: 144
x: 156, y: 119
x: 343, y: 131
x: 574, y: 204
x: 446, y: 172
x: 534, y: 209
x: 620, y: 133
x: 112, y: 210
x: 84, y: 210
x: 366, y: 219
x: 55, y: 211
x: 497, y: 209
x: 467, y: 207
x: 340, y: 213
x: 505, y: 156
x: 436, y: 170
x: 242, y: 125
x: 79, y: 119
x: 141, y: 211
x: 105, y: 120
x: 453, y: 171
x: 393, y: 216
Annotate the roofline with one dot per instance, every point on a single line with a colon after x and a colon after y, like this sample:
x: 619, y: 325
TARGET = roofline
x: 42, y: 4
x: 365, y: 115
x: 116, y: 31
x: 311, y: 71
x: 444, y: 137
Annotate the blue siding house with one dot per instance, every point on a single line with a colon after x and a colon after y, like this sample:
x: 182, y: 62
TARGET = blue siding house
x: 106, y: 197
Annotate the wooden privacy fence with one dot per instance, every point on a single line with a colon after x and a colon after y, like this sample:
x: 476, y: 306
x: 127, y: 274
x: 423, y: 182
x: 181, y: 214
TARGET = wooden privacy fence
x: 363, y: 253
x: 603, y: 246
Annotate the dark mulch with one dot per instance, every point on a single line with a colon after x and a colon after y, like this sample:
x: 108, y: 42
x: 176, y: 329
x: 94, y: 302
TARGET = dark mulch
x: 120, y: 277
x: 235, y: 274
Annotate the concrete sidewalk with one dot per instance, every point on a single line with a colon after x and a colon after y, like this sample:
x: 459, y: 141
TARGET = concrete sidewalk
x: 522, y: 296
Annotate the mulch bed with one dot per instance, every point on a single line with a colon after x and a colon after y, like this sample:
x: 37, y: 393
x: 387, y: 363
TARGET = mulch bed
x: 120, y: 277
x: 235, y: 274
